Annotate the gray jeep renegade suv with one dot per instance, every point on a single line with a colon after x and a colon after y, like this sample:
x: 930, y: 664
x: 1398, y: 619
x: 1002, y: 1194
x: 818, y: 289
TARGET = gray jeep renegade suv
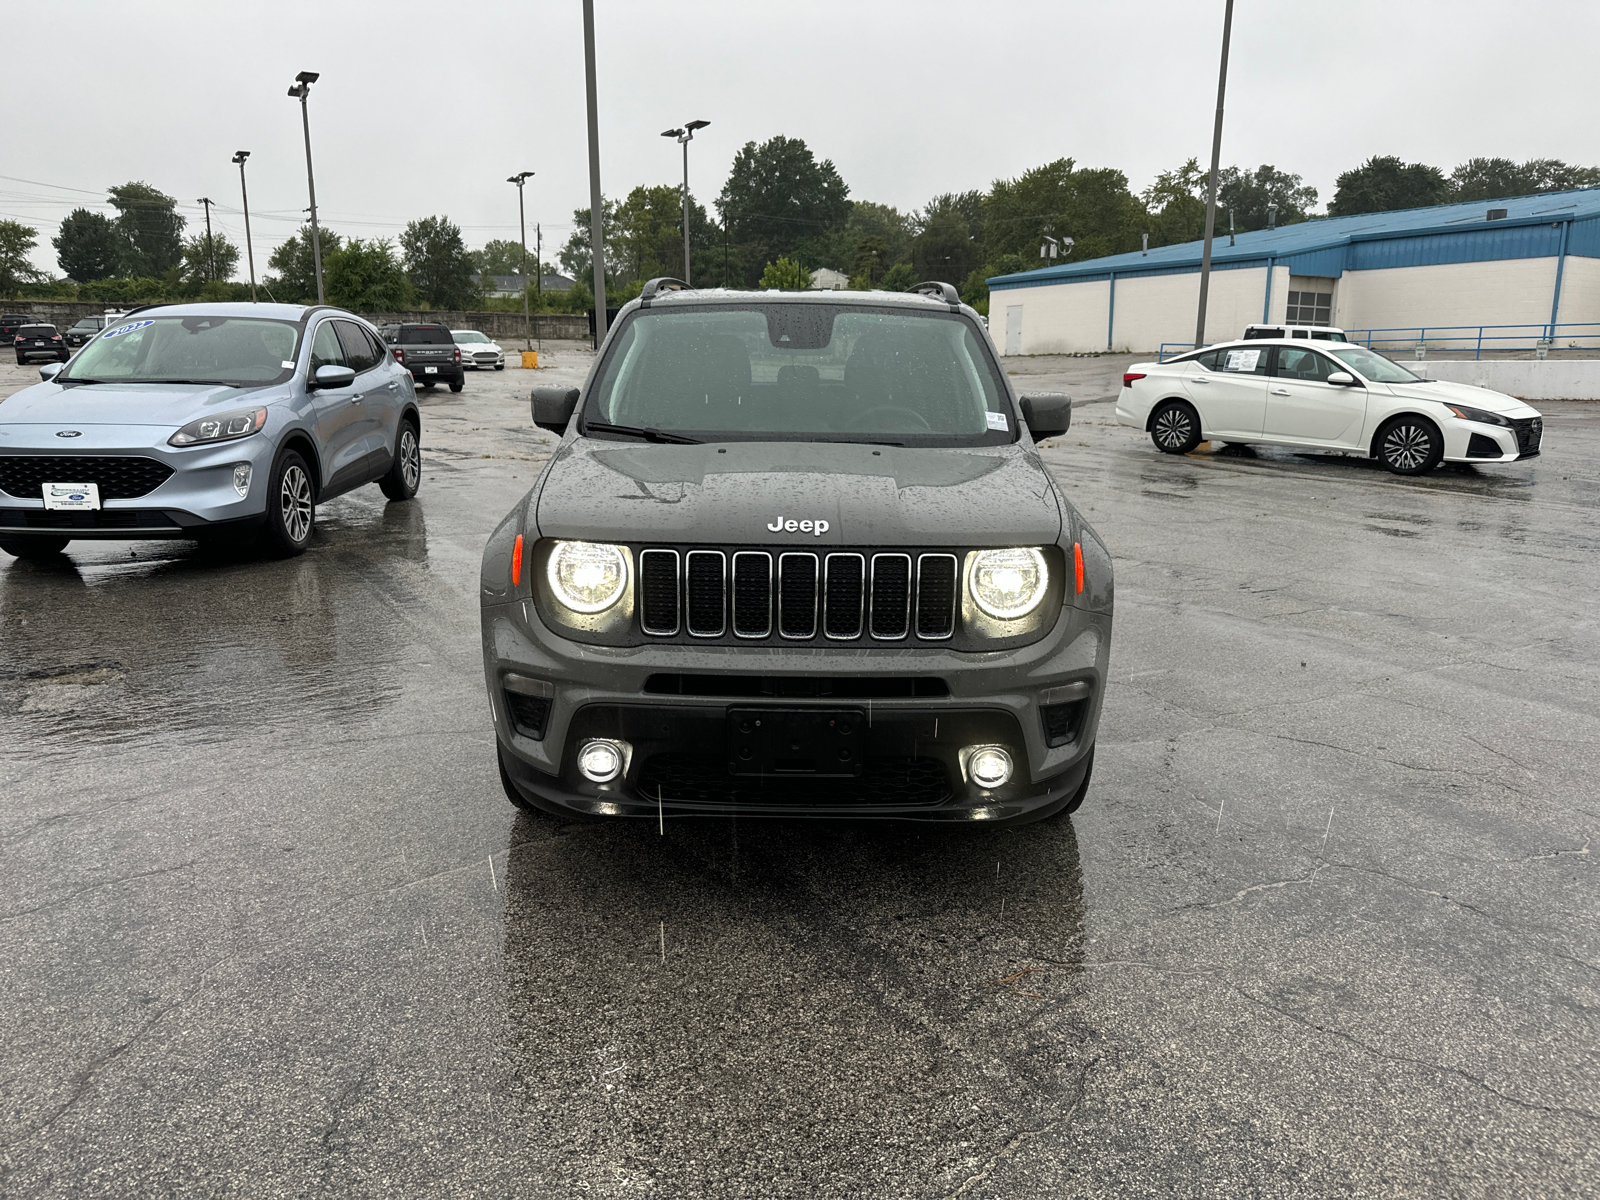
x: 796, y: 555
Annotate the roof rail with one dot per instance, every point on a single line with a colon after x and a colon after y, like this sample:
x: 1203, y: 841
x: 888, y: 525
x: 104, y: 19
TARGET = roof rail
x: 658, y: 285
x: 137, y: 308
x: 940, y: 291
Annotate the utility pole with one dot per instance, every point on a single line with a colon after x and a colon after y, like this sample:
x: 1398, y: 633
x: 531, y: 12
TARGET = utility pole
x: 522, y: 223
x: 300, y: 90
x: 597, y: 240
x: 211, y: 247
x: 538, y: 275
x: 1211, y: 188
x: 239, y: 156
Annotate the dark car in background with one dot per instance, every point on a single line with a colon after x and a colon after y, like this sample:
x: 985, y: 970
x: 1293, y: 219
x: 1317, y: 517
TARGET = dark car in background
x: 428, y: 351
x: 33, y: 342
x: 11, y: 322
x: 84, y: 329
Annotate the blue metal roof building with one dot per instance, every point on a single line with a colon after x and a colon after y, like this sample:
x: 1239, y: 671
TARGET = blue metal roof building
x: 1526, y: 259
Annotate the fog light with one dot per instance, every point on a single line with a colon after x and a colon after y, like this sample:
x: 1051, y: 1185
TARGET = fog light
x: 988, y: 766
x: 601, y: 761
x: 241, y: 479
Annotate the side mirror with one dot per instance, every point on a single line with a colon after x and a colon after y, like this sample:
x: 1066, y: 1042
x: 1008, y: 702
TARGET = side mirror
x: 553, y: 408
x: 50, y: 370
x: 1048, y: 414
x: 332, y: 376
x: 1342, y: 379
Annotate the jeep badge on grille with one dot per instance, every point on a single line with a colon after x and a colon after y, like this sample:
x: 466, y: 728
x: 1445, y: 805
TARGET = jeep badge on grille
x: 815, y: 528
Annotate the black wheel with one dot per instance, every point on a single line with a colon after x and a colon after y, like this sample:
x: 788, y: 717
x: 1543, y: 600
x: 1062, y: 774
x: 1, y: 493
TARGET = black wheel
x: 20, y: 361
x: 499, y: 366
x: 1078, y: 796
x: 430, y: 384
x: 34, y: 549
x: 405, y: 474
x: 457, y: 384
x: 1410, y: 445
x: 291, y: 506
x: 1175, y: 427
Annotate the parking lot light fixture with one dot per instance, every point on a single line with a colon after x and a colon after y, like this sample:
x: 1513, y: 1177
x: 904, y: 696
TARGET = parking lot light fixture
x: 238, y: 157
x: 684, y: 136
x: 300, y: 91
x: 519, y: 179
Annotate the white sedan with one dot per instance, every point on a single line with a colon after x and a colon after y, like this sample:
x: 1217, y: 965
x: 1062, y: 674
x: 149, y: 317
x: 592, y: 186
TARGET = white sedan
x: 1327, y: 396
x: 477, y: 350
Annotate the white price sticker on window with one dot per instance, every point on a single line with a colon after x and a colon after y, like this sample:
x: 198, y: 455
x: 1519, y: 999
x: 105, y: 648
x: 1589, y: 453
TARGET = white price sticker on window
x: 997, y: 420
x: 1242, y: 360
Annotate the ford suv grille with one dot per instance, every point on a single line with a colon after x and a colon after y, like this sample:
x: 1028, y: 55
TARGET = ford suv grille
x: 118, y: 476
x: 799, y: 595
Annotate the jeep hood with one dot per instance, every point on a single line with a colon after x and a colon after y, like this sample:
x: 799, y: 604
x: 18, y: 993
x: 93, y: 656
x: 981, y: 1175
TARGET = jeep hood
x: 730, y: 494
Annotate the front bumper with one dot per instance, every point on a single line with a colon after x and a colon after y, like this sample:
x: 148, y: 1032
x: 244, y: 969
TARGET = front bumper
x: 197, y: 498
x: 485, y: 361
x: 1477, y: 442
x: 912, y: 742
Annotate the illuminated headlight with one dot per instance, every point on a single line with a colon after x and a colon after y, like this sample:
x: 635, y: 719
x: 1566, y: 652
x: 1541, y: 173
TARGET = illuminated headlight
x: 987, y: 766
x: 588, y: 577
x: 601, y: 761
x: 222, y: 428
x: 241, y: 479
x: 1008, y: 584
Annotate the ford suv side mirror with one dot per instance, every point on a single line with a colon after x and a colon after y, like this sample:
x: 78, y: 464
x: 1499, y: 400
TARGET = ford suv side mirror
x: 553, y: 407
x: 50, y: 370
x: 333, y: 376
x: 1342, y: 379
x: 1048, y: 414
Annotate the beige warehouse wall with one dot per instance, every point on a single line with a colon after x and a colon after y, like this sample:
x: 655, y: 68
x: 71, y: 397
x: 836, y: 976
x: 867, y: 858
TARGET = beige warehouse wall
x: 1065, y: 319
x: 1580, y: 292
x: 1513, y: 291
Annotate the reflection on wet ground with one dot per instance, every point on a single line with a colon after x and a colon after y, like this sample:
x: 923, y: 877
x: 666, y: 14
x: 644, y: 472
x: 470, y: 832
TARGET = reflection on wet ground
x: 1326, y: 925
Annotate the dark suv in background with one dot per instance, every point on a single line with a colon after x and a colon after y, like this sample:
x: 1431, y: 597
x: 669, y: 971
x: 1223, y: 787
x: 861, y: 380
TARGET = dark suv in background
x: 39, y: 341
x: 11, y: 322
x: 428, y: 351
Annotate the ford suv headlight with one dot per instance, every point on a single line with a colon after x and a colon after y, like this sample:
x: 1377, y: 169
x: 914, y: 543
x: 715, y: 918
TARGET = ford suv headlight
x: 587, y: 577
x: 223, y: 428
x: 1478, y: 414
x: 1007, y: 584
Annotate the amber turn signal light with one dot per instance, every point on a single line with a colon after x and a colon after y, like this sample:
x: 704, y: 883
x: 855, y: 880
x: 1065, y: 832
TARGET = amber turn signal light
x: 516, y: 565
x: 1077, y: 564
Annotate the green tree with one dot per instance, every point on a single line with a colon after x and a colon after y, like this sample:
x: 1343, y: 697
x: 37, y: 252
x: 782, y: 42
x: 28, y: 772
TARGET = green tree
x: 296, y: 278
x: 1383, y: 183
x: 501, y: 256
x: 16, y: 266
x: 437, y: 262
x: 1092, y: 206
x: 889, y: 226
x: 780, y: 202
x: 367, y: 276
x: 1176, y: 205
x: 944, y: 248
x: 899, y: 278
x: 649, y: 238
x: 87, y: 247
x: 870, y: 263
x: 786, y: 274
x: 1248, y: 194
x: 575, y: 255
x: 1497, y: 178
x: 205, y: 264
x: 150, y: 229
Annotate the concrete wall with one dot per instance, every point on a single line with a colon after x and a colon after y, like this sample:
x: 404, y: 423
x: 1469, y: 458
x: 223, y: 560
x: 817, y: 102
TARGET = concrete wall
x: 497, y: 325
x: 1514, y: 291
x: 1070, y: 318
x: 1526, y: 379
x: 1580, y: 293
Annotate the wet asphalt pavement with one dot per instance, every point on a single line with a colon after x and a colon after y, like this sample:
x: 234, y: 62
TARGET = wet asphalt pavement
x: 1327, y: 924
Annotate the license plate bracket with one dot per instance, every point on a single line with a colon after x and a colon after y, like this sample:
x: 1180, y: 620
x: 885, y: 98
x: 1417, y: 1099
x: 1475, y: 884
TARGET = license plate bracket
x: 815, y: 742
x: 71, y: 497
x: 430, y: 370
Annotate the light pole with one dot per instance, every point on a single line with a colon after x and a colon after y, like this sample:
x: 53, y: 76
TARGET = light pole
x: 522, y: 222
x: 300, y: 90
x: 1211, y: 188
x: 239, y: 156
x: 684, y: 137
x: 597, y: 243
x: 211, y: 247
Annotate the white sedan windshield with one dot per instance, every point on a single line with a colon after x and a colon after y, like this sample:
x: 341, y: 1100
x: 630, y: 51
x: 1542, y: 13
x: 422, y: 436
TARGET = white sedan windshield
x: 1371, y: 365
x: 468, y: 335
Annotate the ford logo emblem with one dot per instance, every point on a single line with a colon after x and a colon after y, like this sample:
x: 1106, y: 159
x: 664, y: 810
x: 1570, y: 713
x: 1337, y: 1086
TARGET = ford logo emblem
x: 70, y: 433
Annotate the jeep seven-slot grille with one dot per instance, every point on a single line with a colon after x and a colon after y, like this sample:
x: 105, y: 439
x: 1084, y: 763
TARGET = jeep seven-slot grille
x: 798, y: 595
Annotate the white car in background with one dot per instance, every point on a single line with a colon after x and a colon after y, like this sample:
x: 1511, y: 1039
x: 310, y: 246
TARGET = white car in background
x: 477, y: 350
x: 1323, y: 396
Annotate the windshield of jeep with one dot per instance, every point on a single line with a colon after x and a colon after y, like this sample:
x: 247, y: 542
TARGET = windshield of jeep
x: 802, y: 372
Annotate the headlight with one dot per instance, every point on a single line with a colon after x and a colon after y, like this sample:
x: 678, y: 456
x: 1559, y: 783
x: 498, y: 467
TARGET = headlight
x: 222, y: 428
x: 1008, y: 584
x: 1478, y: 414
x: 588, y: 577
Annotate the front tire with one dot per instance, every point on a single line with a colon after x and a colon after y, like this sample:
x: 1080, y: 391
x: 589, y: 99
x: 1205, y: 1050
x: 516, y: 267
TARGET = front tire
x: 499, y: 366
x: 1175, y: 427
x: 1410, y: 445
x: 34, y: 549
x: 405, y: 474
x: 291, y: 506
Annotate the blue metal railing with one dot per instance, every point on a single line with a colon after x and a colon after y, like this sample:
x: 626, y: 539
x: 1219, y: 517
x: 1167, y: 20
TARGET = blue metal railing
x: 1577, y: 335
x: 1174, y: 349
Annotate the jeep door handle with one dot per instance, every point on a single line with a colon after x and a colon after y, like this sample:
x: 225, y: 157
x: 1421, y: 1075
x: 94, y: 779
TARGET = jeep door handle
x: 1282, y: 392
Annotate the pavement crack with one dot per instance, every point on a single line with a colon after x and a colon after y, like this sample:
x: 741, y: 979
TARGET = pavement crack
x: 1258, y: 887
x: 1017, y: 1139
x: 93, y: 887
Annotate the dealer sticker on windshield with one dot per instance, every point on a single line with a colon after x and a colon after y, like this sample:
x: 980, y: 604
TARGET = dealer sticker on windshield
x: 996, y: 420
x: 71, y: 497
x: 122, y: 329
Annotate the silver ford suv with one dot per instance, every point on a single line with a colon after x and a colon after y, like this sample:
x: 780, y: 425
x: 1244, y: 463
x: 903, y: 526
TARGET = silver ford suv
x: 796, y: 555
x: 206, y: 421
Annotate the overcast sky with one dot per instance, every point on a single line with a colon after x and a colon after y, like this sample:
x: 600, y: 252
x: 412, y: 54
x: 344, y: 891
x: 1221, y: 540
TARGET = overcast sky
x: 426, y: 108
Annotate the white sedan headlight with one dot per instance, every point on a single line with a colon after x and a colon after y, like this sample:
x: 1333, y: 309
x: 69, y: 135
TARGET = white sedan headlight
x: 588, y: 577
x: 1007, y: 584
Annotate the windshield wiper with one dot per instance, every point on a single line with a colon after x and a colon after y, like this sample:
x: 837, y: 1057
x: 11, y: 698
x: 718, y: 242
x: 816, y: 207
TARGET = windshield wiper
x: 649, y: 435
x: 205, y: 382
